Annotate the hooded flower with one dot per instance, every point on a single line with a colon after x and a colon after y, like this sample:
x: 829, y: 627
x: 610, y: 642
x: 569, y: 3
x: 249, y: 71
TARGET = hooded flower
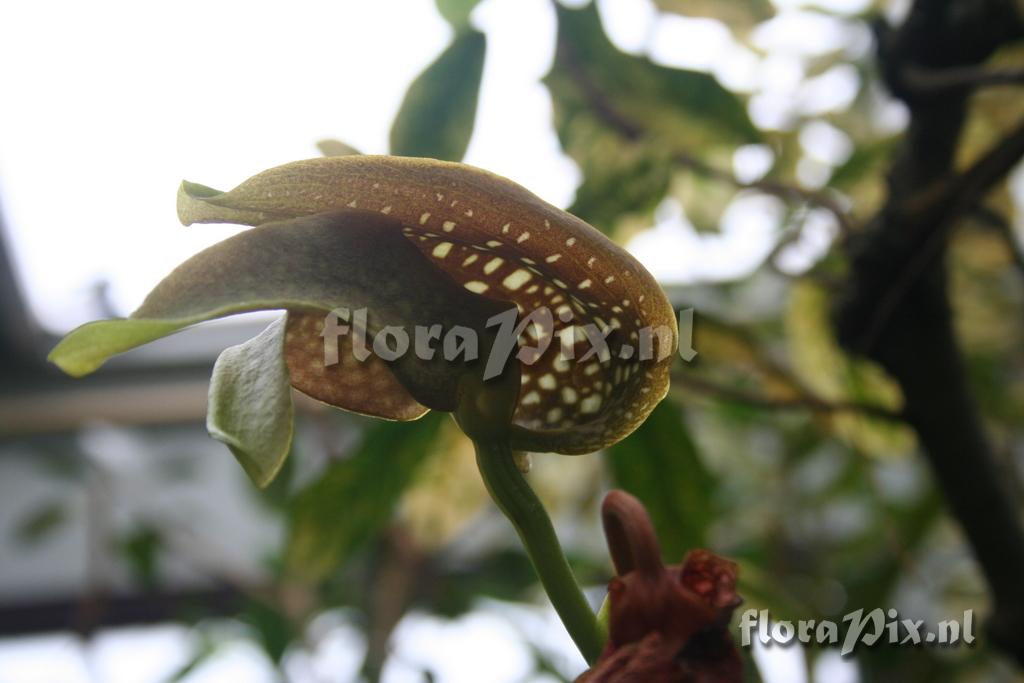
x: 417, y: 243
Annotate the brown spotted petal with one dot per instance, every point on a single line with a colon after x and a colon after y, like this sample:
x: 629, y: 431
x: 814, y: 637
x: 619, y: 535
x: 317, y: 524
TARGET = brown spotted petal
x: 367, y: 386
x: 495, y: 239
x: 666, y: 624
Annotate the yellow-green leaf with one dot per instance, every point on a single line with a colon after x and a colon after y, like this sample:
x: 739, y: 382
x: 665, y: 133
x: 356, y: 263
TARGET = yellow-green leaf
x: 822, y: 366
x: 456, y: 12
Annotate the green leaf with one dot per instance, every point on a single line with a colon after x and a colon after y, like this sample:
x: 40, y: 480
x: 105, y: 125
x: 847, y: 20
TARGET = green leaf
x: 704, y: 199
x: 622, y: 118
x: 202, y: 653
x: 680, y: 108
x: 867, y: 158
x: 350, y: 259
x: 40, y: 523
x: 738, y: 15
x: 250, y: 406
x: 141, y: 549
x: 659, y: 464
x: 456, y: 12
x: 436, y: 117
x: 336, y: 148
x: 356, y: 497
x: 629, y: 179
x: 274, y: 630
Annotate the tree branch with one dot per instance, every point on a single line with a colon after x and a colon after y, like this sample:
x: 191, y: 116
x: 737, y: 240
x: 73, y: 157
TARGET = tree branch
x: 896, y: 306
x: 935, y: 213
x: 784, y: 191
x: 806, y: 402
x: 632, y: 131
x: 957, y: 81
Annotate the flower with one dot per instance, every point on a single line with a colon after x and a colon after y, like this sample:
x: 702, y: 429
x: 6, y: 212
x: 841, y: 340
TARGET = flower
x: 666, y: 624
x: 415, y: 242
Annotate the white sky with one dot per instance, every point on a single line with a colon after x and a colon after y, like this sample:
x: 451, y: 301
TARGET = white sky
x: 111, y: 103
x: 116, y: 102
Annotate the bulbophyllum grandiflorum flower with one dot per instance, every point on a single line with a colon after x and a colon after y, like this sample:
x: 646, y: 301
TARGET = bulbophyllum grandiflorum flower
x: 426, y: 244
x: 666, y: 624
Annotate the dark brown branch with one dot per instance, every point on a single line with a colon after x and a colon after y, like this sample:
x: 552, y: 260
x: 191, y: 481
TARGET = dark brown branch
x: 935, y: 212
x: 61, y: 612
x: 957, y: 81
x: 784, y: 191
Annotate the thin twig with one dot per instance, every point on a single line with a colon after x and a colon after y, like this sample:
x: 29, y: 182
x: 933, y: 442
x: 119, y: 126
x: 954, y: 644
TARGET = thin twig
x: 938, y: 211
x: 804, y: 402
x: 791, y: 193
x: 926, y: 81
x: 1005, y: 230
x: 630, y: 130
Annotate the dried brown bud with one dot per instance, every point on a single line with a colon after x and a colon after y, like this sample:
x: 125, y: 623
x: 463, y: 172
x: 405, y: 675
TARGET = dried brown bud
x: 667, y: 624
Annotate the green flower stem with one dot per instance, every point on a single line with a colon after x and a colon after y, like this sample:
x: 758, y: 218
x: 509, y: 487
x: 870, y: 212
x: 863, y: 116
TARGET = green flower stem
x: 604, y: 616
x: 520, y: 504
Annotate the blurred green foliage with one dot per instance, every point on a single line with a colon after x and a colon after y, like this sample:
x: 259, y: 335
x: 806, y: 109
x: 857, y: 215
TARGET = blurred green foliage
x: 355, y: 497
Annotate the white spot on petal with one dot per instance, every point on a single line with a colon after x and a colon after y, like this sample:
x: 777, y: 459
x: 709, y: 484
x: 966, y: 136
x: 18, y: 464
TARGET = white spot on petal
x: 591, y: 404
x: 517, y: 279
x: 493, y: 265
